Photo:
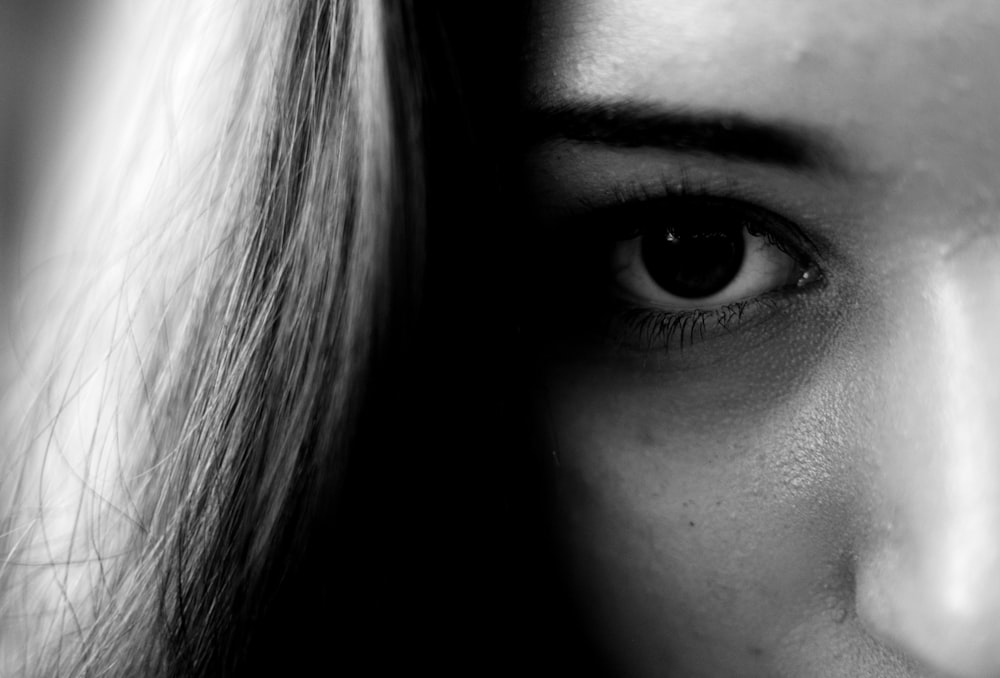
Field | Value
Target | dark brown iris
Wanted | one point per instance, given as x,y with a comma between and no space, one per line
694,263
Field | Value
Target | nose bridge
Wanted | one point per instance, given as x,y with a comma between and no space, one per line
934,586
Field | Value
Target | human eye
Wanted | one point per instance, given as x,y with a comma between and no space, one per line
667,271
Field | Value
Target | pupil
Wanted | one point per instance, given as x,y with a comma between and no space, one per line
694,263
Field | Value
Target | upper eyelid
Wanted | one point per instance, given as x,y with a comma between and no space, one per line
785,231
811,210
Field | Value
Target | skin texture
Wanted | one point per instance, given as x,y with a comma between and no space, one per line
816,491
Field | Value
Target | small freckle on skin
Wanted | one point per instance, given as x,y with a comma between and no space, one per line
691,524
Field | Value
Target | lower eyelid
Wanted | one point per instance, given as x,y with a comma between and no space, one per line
649,329
644,329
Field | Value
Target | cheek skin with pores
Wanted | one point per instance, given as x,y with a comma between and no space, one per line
712,500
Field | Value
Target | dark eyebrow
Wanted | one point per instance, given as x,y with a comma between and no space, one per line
726,135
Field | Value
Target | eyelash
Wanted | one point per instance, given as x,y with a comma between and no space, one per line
649,328
656,328
635,195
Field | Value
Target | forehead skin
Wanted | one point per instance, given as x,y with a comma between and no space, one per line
877,72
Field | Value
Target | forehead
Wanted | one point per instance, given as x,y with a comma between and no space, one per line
903,81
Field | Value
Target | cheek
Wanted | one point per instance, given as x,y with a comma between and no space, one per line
706,515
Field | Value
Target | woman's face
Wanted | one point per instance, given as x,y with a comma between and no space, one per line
772,349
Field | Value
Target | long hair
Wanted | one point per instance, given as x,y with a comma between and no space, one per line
248,404
295,443
254,466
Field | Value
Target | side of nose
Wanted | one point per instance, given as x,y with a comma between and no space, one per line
929,580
